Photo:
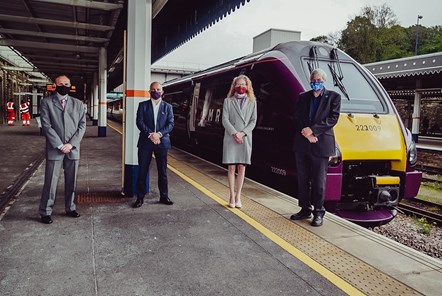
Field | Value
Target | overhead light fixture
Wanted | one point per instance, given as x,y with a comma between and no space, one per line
39,80
25,69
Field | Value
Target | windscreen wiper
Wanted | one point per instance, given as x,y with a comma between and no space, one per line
314,64
337,77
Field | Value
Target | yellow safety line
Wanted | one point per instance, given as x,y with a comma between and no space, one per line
333,278
336,280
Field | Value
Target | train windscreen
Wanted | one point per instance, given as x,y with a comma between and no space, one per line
362,96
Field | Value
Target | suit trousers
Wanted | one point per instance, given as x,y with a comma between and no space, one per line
52,173
312,174
144,159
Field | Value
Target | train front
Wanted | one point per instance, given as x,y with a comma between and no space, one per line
374,165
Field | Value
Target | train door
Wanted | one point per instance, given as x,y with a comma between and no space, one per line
276,90
209,130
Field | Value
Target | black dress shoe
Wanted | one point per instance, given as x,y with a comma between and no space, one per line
302,214
72,214
166,201
46,219
138,203
317,221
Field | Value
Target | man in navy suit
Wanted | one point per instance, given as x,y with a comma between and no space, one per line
155,122
316,114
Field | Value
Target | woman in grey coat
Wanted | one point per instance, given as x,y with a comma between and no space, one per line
239,119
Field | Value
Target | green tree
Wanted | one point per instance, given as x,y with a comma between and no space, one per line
375,35
430,39
380,16
367,36
394,43
360,40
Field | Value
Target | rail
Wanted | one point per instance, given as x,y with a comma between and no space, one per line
419,208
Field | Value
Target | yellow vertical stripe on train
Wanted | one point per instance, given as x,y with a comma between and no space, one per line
333,278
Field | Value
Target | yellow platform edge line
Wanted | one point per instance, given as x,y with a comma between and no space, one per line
333,278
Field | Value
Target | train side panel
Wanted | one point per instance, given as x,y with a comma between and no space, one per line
371,171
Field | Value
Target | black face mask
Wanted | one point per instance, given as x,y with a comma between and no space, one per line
62,90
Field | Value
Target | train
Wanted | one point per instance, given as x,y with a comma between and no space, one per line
374,165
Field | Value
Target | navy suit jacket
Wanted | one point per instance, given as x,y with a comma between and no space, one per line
145,123
326,118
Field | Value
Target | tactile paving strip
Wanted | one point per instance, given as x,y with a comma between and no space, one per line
357,273
100,198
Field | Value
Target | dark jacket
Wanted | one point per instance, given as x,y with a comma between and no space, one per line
327,116
146,125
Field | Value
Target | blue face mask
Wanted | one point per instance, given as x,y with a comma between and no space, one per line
318,85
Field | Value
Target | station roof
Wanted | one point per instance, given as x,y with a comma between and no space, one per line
401,77
64,36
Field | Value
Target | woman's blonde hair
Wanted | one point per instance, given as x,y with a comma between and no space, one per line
250,92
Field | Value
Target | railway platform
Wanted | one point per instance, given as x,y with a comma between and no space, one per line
198,246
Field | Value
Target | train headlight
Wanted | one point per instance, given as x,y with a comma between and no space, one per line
412,153
335,160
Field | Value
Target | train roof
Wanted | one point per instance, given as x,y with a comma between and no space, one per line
292,49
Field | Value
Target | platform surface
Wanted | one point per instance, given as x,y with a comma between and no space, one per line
198,246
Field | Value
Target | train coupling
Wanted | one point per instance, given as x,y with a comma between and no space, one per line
385,190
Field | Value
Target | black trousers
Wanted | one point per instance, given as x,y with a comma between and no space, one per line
144,159
312,174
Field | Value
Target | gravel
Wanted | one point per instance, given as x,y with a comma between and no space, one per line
407,231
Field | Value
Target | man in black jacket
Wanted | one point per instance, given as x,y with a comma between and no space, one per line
316,114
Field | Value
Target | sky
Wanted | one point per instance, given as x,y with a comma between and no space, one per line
232,37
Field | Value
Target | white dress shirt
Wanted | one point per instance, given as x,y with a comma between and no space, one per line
156,108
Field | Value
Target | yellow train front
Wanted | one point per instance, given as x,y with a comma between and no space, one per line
374,165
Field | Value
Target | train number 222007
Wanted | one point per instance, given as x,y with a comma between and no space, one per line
368,128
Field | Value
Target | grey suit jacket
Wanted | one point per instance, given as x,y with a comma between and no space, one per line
235,120
62,126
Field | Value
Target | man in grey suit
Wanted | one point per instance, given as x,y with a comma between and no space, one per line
316,114
63,122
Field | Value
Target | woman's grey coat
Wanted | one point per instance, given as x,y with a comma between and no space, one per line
236,120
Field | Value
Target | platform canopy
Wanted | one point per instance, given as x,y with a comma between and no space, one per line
64,36
399,76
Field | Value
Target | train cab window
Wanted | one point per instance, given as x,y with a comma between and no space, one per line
363,97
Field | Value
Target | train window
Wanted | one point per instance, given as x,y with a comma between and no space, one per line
363,97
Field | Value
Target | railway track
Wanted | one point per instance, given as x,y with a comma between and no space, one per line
421,209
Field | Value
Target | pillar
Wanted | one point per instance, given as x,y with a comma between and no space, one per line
139,34
102,107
